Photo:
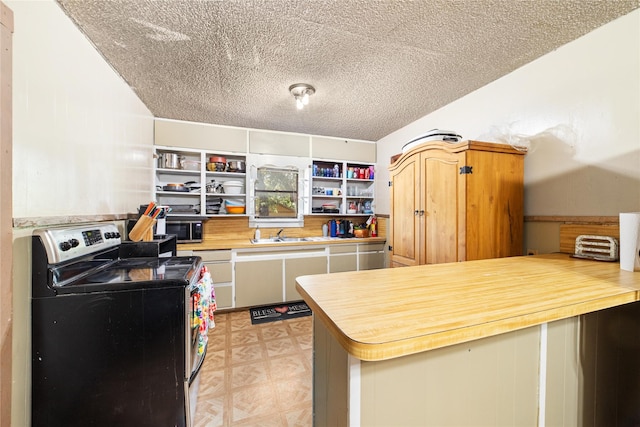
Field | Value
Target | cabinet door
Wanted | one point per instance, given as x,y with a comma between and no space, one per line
405,219
295,267
258,282
340,263
495,207
224,296
443,205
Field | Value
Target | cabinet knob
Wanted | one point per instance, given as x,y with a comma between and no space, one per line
415,212
421,213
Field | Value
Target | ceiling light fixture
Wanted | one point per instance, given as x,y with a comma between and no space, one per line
301,92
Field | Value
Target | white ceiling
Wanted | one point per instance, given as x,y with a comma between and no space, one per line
377,65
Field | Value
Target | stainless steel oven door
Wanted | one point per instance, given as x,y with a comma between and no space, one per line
194,359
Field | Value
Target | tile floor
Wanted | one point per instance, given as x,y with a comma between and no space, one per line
256,375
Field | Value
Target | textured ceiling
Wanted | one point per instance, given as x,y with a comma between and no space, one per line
376,65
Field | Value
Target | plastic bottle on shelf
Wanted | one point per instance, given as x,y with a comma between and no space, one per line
336,171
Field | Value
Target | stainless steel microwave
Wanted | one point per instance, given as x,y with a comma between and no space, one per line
186,231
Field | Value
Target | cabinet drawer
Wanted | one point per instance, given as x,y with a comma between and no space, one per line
223,255
220,272
371,247
224,296
342,249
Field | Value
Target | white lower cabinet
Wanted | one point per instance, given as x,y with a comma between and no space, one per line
343,258
258,282
253,277
221,269
295,267
371,256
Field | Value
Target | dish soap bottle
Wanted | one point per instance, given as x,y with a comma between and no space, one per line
256,235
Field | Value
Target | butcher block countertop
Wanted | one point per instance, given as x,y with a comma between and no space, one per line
389,313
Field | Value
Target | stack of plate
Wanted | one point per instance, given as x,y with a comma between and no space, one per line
330,208
213,205
183,209
432,135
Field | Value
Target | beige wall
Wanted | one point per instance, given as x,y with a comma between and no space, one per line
82,138
82,144
577,107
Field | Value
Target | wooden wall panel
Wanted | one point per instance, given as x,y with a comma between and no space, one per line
234,228
569,232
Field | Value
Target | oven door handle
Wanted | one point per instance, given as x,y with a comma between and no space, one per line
196,371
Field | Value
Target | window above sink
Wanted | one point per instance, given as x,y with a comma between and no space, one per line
277,191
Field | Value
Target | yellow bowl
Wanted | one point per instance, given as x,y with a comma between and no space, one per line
235,209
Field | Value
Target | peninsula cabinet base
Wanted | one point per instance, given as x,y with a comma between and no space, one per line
591,377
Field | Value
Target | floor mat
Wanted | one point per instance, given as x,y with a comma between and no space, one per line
271,313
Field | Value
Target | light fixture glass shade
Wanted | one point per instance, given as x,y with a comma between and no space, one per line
301,93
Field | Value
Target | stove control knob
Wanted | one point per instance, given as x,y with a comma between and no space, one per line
74,242
65,246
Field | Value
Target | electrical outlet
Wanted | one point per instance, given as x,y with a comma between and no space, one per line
532,252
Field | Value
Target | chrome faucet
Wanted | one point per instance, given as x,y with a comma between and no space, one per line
278,234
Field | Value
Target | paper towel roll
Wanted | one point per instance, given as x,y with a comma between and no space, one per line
630,241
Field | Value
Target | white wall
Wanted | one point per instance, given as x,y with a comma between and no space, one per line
82,138
579,109
82,145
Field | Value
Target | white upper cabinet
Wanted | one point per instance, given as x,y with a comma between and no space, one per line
200,136
284,144
343,149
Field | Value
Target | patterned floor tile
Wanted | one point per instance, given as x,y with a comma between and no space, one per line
274,332
304,341
212,383
299,417
215,358
253,401
256,375
292,394
287,366
246,353
244,337
210,412
249,374
281,347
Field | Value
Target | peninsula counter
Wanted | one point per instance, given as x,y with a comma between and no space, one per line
508,341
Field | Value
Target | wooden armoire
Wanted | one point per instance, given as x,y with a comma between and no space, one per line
456,202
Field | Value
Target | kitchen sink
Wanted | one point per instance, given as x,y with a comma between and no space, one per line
281,240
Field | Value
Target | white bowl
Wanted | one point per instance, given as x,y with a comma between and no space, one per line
232,187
